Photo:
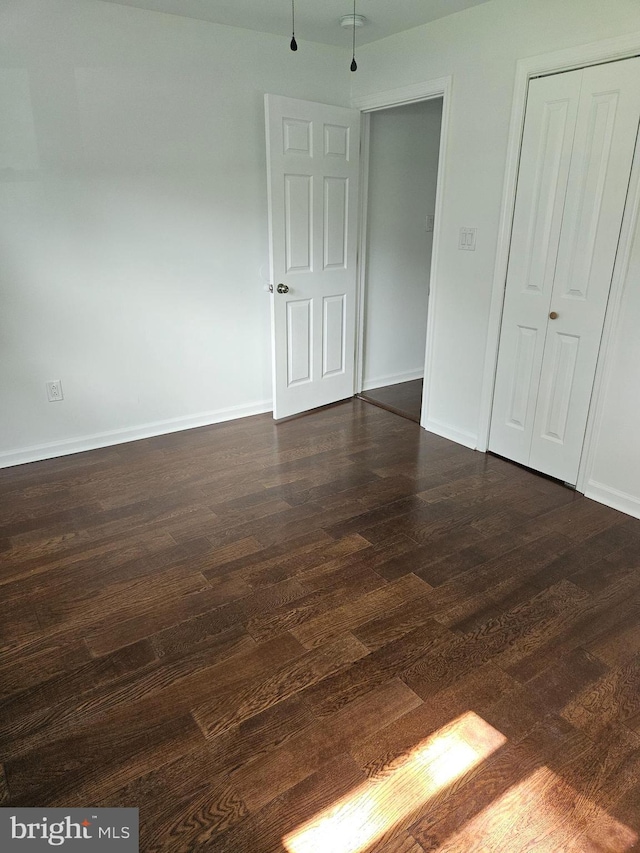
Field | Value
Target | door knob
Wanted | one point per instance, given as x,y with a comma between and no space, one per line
553,315
282,288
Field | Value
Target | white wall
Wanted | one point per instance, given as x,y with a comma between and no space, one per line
133,218
133,213
613,475
479,48
403,170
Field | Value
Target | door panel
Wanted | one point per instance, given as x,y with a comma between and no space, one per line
555,404
336,213
333,336
313,171
525,353
552,108
299,341
298,236
603,152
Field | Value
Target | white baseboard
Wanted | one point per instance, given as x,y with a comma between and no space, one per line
392,379
630,504
35,453
467,439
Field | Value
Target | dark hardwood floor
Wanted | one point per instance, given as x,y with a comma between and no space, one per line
403,399
334,635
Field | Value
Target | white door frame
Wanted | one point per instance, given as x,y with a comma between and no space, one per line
608,50
430,89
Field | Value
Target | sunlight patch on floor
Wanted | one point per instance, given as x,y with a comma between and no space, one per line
543,812
380,805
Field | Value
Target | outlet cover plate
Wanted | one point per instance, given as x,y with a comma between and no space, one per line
54,391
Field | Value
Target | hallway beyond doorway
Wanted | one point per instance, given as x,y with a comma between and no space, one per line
404,399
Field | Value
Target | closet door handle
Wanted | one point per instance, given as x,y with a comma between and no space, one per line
553,315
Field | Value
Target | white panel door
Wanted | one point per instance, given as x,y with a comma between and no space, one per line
545,159
603,152
578,146
313,170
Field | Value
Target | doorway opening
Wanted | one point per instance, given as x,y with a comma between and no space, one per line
401,175
403,398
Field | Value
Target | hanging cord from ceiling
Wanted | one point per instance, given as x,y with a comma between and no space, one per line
354,64
293,44
356,21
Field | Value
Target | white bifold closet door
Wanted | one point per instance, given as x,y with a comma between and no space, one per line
577,150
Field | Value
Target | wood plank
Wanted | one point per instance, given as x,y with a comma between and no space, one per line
478,691
75,683
264,830
186,802
320,629
481,810
337,586
591,620
503,639
398,621
259,735
335,691
93,760
613,698
27,664
163,690
232,707
4,788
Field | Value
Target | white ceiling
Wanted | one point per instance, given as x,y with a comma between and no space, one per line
316,20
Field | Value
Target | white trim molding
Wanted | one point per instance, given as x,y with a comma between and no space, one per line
363,248
37,453
405,95
467,439
581,56
393,379
614,498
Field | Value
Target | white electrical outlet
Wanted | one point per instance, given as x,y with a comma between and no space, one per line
54,390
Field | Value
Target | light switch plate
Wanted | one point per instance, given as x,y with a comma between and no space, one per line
467,239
